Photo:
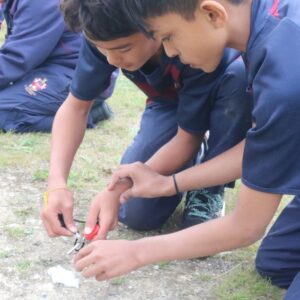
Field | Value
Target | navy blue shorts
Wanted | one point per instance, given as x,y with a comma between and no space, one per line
30,104
278,257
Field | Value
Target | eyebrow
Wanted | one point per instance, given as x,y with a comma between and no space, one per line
113,48
152,33
116,48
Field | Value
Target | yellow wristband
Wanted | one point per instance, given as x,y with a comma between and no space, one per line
46,194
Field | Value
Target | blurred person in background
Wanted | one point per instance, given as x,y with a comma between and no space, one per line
37,62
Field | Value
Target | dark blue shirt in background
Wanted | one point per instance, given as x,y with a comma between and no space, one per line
37,63
40,23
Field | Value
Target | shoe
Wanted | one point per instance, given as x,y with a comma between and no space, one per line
101,111
201,206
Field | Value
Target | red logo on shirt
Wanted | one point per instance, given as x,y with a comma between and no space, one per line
38,84
274,10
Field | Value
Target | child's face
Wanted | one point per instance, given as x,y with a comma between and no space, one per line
129,53
199,42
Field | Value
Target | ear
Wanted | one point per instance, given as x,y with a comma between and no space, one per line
215,13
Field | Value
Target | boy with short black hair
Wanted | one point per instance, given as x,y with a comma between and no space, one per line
182,105
268,32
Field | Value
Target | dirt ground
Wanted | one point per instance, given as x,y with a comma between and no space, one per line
26,253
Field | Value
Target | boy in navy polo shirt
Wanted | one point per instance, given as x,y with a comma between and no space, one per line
183,103
268,32
37,62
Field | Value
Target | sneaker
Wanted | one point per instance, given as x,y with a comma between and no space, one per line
101,111
201,206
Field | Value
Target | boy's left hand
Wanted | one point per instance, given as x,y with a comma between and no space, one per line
107,259
145,182
104,209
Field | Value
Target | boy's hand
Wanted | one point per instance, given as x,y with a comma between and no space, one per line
146,182
107,259
59,206
105,208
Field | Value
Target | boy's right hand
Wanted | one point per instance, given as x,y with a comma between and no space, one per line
60,205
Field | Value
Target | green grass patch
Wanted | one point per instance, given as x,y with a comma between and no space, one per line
23,265
17,232
24,213
4,254
163,264
245,284
40,175
118,281
205,277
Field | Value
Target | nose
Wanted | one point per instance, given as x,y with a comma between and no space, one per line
114,59
170,50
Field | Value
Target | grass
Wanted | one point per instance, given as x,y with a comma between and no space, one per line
23,265
98,155
245,284
119,281
4,254
15,232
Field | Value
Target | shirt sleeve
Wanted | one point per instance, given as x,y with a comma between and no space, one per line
92,75
197,93
271,159
194,100
37,29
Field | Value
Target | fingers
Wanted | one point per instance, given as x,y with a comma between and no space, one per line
103,230
123,172
57,215
47,226
113,181
103,276
68,219
107,223
90,265
53,225
92,218
92,270
87,262
80,260
126,196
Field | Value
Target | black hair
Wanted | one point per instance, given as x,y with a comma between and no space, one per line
100,20
140,10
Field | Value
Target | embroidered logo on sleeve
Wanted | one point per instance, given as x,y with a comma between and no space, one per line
38,84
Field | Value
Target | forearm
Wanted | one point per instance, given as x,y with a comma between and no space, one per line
245,225
198,241
175,154
67,134
222,169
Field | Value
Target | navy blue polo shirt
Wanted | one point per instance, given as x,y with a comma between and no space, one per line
171,82
272,153
36,37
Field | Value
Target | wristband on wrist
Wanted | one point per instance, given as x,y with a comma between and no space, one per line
175,185
46,193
